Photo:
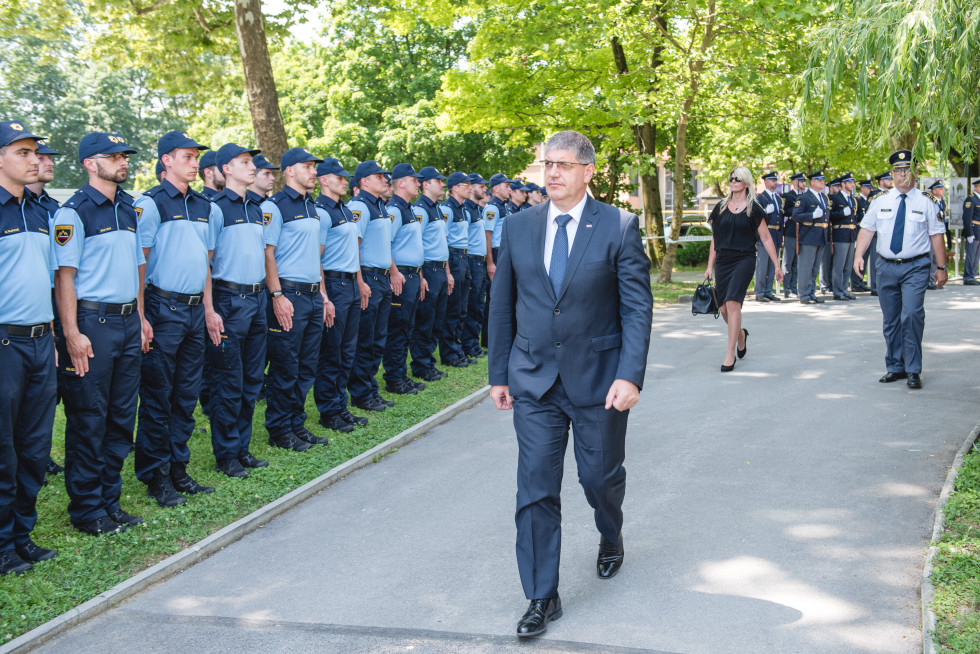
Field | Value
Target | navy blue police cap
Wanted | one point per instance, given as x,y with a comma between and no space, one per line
544,191
835,182
772,175
331,166
208,159
43,148
500,178
262,163
518,185
885,175
229,151
936,184
866,182
976,182
798,177
531,186
366,169
173,140
457,178
816,175
159,168
14,130
475,178
294,156
97,143
404,170
901,159
846,177
430,172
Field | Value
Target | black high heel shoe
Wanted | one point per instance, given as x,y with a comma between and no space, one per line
741,353
725,368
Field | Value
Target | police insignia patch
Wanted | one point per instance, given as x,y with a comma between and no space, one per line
391,218
357,215
139,212
63,233
491,215
968,204
797,203
266,217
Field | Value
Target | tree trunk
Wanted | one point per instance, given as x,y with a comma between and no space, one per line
263,99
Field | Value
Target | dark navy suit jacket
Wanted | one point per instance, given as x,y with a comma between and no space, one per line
595,331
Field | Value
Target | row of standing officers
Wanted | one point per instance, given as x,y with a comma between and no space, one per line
243,290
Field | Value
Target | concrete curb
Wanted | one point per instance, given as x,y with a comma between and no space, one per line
926,594
233,532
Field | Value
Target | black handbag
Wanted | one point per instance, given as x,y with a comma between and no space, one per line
705,300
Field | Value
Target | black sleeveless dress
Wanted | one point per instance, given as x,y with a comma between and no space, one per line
735,236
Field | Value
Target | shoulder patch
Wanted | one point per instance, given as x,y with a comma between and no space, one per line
356,214
391,217
968,204
63,233
797,203
139,212
490,215
266,218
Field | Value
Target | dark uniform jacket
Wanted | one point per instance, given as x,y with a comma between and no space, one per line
789,202
774,218
843,228
971,215
812,231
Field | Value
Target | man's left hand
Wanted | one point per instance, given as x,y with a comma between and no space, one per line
941,277
622,395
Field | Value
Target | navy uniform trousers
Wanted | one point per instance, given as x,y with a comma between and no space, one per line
475,305
170,386
600,448
292,361
484,339
338,347
901,294
429,316
790,266
237,369
401,323
28,389
100,411
450,347
371,335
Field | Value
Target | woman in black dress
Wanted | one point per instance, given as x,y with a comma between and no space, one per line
737,222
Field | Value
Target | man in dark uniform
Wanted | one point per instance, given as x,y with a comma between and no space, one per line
27,383
765,269
450,347
971,232
790,266
936,193
476,252
518,196
99,300
235,311
843,223
494,214
214,181
534,194
341,275
827,263
300,307
863,202
265,179
431,310
909,228
407,255
810,213
173,230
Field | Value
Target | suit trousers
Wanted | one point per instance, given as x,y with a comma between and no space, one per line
826,268
765,272
901,294
810,258
843,263
970,260
790,265
600,448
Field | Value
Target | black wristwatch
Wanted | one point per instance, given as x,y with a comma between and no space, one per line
277,293
943,268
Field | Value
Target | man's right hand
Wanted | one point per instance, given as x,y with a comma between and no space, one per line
818,213
970,239
365,295
501,397
80,351
283,310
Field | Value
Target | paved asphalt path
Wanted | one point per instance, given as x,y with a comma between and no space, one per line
785,507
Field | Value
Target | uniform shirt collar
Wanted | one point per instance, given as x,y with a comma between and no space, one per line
367,198
427,200
399,202
328,201
452,202
575,212
469,203
6,196
294,194
172,190
231,195
97,197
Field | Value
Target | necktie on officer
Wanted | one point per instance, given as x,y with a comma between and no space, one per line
898,233
559,253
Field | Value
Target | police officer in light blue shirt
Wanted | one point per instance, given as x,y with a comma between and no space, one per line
431,309
493,218
518,196
408,254
235,311
450,345
26,349
341,275
173,231
379,280
294,238
97,287
265,178
213,180
476,253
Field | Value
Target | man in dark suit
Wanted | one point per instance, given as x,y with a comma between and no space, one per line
570,318
765,269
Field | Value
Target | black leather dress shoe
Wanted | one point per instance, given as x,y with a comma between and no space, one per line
914,380
761,298
773,298
249,461
874,293
892,376
610,558
538,615
336,423
816,299
34,553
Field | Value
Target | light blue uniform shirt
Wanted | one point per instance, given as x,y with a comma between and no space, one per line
292,225
97,236
375,230
435,227
459,228
175,228
477,238
235,236
341,251
406,242
25,260
493,215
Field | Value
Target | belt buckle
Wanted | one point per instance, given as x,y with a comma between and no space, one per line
194,300
126,309
256,287
37,331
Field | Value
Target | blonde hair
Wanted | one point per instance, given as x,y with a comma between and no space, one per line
743,175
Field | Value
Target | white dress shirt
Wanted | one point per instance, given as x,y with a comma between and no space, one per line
552,228
921,222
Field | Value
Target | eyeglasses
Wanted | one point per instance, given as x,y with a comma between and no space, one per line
118,155
732,180
564,165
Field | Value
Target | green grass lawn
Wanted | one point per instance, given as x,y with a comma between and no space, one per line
668,293
87,566
956,572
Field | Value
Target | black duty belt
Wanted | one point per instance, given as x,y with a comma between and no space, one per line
375,271
240,288
457,250
123,309
916,257
409,270
33,331
305,287
179,298
435,263
478,257
336,274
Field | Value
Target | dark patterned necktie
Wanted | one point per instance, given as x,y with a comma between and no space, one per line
898,233
559,253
